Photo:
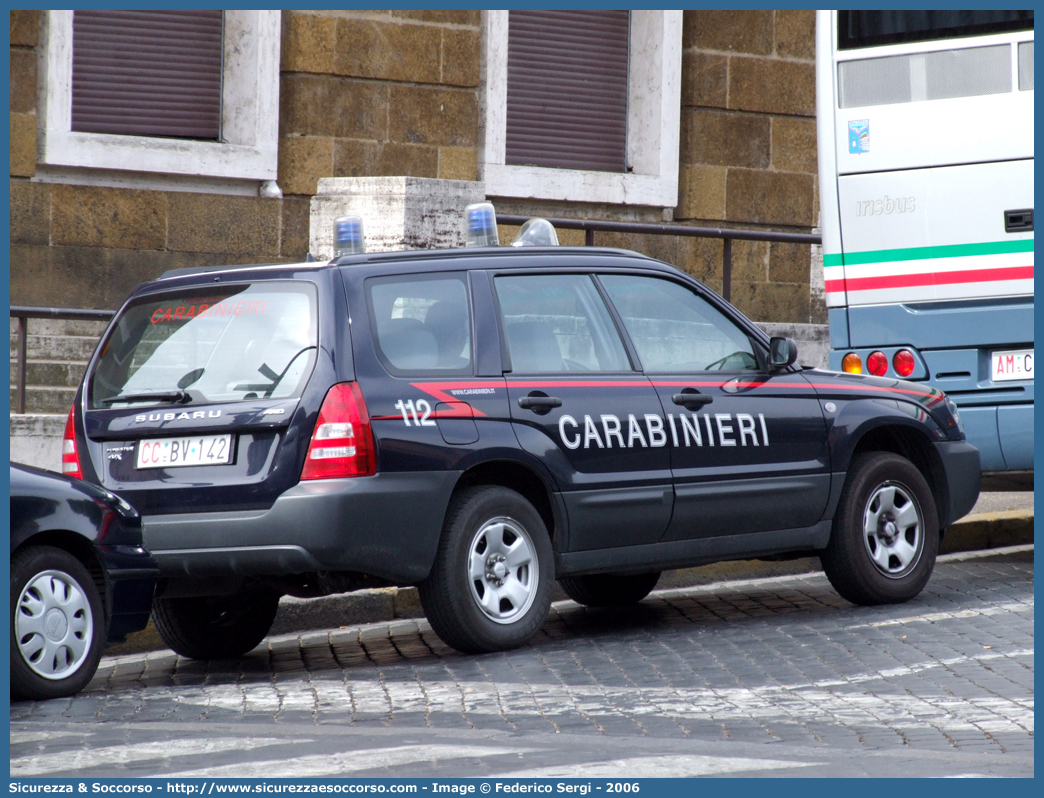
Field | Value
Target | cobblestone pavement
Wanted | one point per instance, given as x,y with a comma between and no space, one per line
765,677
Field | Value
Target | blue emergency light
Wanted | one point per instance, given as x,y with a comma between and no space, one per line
348,236
480,225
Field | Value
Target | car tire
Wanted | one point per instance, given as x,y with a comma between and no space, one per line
58,624
609,590
490,586
215,627
885,537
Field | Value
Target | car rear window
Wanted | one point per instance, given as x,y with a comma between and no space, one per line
421,323
214,344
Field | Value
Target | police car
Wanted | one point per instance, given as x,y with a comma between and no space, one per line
483,421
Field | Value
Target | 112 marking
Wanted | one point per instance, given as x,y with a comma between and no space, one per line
411,409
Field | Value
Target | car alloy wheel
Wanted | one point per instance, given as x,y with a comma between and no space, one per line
490,585
892,529
885,534
503,570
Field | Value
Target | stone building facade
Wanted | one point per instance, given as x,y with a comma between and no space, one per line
418,93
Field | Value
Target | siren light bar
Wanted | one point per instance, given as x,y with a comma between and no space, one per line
348,236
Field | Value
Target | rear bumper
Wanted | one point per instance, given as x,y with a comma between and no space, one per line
960,461
1003,434
387,525
130,575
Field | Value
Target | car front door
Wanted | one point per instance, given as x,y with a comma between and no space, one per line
748,446
578,404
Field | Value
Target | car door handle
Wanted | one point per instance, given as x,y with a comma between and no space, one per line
692,399
539,402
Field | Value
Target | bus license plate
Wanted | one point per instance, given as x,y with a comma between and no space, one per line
191,450
1014,365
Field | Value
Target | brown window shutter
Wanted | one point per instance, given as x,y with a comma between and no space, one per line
567,89
147,73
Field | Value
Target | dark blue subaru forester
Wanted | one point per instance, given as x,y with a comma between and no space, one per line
481,422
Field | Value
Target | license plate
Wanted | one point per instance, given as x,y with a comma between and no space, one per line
1014,365
189,450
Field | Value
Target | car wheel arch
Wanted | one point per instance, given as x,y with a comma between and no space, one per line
80,548
522,478
910,442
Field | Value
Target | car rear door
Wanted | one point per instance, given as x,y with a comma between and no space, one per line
428,365
578,404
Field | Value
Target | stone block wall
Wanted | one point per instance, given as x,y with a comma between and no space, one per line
88,246
378,93
397,93
25,36
747,159
748,148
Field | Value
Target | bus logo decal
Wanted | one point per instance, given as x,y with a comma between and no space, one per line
885,206
858,136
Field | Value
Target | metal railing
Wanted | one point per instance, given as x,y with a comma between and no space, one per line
23,314
591,226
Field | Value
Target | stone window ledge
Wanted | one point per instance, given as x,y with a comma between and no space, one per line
653,119
249,115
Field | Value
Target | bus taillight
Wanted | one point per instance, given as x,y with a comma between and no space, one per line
903,362
877,364
852,363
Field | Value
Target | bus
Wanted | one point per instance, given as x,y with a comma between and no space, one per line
925,144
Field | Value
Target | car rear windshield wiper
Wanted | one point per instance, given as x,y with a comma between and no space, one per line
174,397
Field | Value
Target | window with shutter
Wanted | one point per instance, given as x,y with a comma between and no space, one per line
147,73
567,85
582,106
147,98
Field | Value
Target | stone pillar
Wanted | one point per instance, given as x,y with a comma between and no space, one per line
397,212
817,287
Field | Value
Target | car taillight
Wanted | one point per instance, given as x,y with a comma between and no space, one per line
903,362
877,364
108,516
342,442
70,457
852,363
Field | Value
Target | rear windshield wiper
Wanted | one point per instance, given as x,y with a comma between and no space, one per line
174,397
269,374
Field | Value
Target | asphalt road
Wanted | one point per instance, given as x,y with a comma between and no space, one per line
771,677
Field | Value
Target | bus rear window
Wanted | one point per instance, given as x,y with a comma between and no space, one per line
876,28
209,345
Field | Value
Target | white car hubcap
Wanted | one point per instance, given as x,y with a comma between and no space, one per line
53,625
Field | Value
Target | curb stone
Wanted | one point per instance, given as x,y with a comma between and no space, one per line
972,533
989,531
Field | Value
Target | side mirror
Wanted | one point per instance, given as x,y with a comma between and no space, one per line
782,353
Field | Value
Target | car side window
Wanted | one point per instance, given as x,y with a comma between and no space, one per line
674,329
558,323
421,323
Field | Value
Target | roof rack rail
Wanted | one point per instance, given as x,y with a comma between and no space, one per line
171,273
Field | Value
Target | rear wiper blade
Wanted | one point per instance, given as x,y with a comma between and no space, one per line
174,397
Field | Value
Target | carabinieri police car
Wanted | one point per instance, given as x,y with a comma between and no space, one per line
481,422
